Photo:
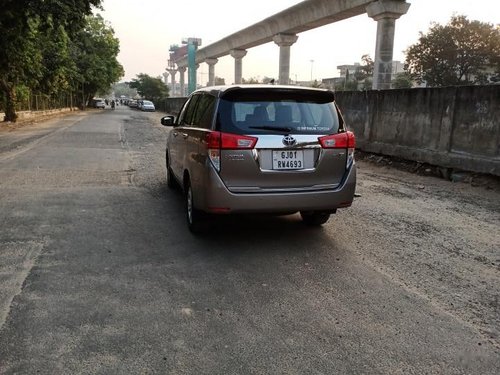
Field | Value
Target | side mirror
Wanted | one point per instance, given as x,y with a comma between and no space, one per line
167,120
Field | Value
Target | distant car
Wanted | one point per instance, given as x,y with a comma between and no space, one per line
147,106
261,149
99,104
132,103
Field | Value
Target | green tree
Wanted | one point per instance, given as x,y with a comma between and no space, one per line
33,43
122,88
461,52
57,65
150,88
20,60
95,52
347,85
365,70
367,73
402,81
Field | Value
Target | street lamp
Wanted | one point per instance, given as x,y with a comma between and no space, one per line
312,62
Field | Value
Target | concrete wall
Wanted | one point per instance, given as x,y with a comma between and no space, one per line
30,115
171,105
455,127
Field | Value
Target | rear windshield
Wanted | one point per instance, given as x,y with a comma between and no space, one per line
277,113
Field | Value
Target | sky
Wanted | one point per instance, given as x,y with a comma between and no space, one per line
147,28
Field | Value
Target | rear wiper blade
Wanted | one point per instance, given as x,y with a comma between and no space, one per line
272,128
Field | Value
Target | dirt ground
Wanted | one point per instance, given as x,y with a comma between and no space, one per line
438,238
424,169
35,121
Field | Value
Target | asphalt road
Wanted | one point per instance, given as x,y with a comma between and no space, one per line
99,274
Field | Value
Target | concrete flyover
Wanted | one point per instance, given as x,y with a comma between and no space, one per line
283,27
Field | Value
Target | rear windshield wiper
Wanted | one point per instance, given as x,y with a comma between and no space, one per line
272,128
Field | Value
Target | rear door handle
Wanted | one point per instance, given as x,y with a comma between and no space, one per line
184,135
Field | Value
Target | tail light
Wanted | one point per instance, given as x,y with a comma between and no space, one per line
217,141
341,140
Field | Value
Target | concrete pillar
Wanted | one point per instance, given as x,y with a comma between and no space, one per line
284,41
211,70
196,67
385,12
182,85
172,75
165,77
238,55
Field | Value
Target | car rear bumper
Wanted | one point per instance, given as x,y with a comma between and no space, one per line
216,198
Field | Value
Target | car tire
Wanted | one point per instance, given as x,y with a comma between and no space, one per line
170,176
314,219
195,218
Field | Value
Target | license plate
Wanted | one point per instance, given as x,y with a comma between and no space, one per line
288,159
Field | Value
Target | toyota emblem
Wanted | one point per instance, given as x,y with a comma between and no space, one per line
288,140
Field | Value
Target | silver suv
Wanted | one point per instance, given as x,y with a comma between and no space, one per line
261,149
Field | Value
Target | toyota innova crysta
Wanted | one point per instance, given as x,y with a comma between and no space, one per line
261,149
